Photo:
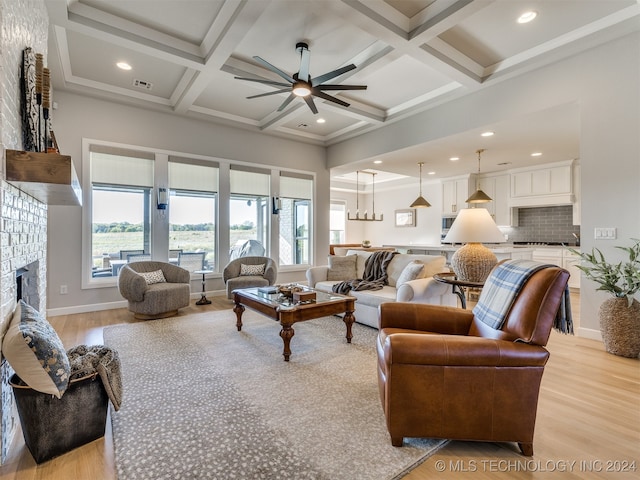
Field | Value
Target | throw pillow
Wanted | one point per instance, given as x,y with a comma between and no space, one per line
252,269
413,271
342,268
153,277
36,353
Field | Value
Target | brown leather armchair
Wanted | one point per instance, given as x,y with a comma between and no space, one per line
443,373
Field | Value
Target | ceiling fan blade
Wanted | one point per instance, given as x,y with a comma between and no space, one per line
341,87
328,76
266,64
311,103
271,93
330,98
263,80
286,102
303,74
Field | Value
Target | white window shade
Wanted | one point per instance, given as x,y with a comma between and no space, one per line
200,178
296,187
121,170
249,183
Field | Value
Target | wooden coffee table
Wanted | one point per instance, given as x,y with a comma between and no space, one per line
274,306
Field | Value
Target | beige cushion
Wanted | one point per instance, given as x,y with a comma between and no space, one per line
360,262
153,277
432,264
36,353
412,271
342,268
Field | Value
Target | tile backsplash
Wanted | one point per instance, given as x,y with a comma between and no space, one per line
544,224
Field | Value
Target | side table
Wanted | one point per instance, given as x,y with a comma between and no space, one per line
203,299
457,286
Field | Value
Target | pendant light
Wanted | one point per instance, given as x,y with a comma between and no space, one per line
420,202
479,196
366,217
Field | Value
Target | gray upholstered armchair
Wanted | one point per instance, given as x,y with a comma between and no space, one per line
154,300
234,278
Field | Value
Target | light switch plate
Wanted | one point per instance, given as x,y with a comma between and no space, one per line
602,233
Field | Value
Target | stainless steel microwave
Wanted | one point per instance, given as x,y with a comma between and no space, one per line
446,223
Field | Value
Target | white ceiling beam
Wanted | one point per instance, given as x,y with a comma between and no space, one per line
359,14
440,21
239,17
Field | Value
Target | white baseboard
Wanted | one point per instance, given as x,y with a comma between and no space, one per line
589,333
96,307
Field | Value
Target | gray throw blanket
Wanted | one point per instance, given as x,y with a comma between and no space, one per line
503,286
374,275
105,361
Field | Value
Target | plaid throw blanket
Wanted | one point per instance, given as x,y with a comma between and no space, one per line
502,288
375,274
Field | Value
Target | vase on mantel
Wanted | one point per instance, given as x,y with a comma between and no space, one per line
620,326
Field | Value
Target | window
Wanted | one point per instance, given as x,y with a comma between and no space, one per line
248,212
121,186
295,218
121,221
192,212
337,222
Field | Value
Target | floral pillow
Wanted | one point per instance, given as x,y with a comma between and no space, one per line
252,269
36,353
153,277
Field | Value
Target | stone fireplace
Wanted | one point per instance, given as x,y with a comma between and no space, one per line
23,249
23,219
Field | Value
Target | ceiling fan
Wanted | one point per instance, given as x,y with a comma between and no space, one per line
301,84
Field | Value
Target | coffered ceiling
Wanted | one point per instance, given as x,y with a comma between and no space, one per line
411,54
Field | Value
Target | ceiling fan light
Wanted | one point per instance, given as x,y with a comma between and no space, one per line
479,197
301,89
420,202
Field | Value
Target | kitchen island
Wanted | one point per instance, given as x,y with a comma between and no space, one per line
501,251
553,254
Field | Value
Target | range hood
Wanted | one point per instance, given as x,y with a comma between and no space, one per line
542,200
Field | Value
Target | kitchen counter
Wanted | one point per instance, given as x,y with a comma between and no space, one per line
495,248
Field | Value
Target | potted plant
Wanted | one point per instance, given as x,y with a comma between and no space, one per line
619,315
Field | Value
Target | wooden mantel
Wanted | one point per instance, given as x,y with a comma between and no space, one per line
48,177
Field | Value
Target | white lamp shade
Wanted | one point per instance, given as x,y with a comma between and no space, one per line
474,225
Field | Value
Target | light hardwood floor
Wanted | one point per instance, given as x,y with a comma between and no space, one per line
588,422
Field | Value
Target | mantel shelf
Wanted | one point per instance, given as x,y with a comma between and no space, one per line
48,177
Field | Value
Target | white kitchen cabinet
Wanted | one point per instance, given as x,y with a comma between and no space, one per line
542,185
569,263
562,258
522,255
543,181
455,192
498,188
548,255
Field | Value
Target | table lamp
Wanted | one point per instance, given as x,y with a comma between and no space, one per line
473,261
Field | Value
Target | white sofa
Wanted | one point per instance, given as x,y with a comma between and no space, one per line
422,290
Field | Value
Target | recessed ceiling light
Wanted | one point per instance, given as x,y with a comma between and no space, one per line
431,173
123,66
526,17
320,120
377,162
454,159
536,154
487,134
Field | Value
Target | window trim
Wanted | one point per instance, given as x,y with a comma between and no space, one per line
162,157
